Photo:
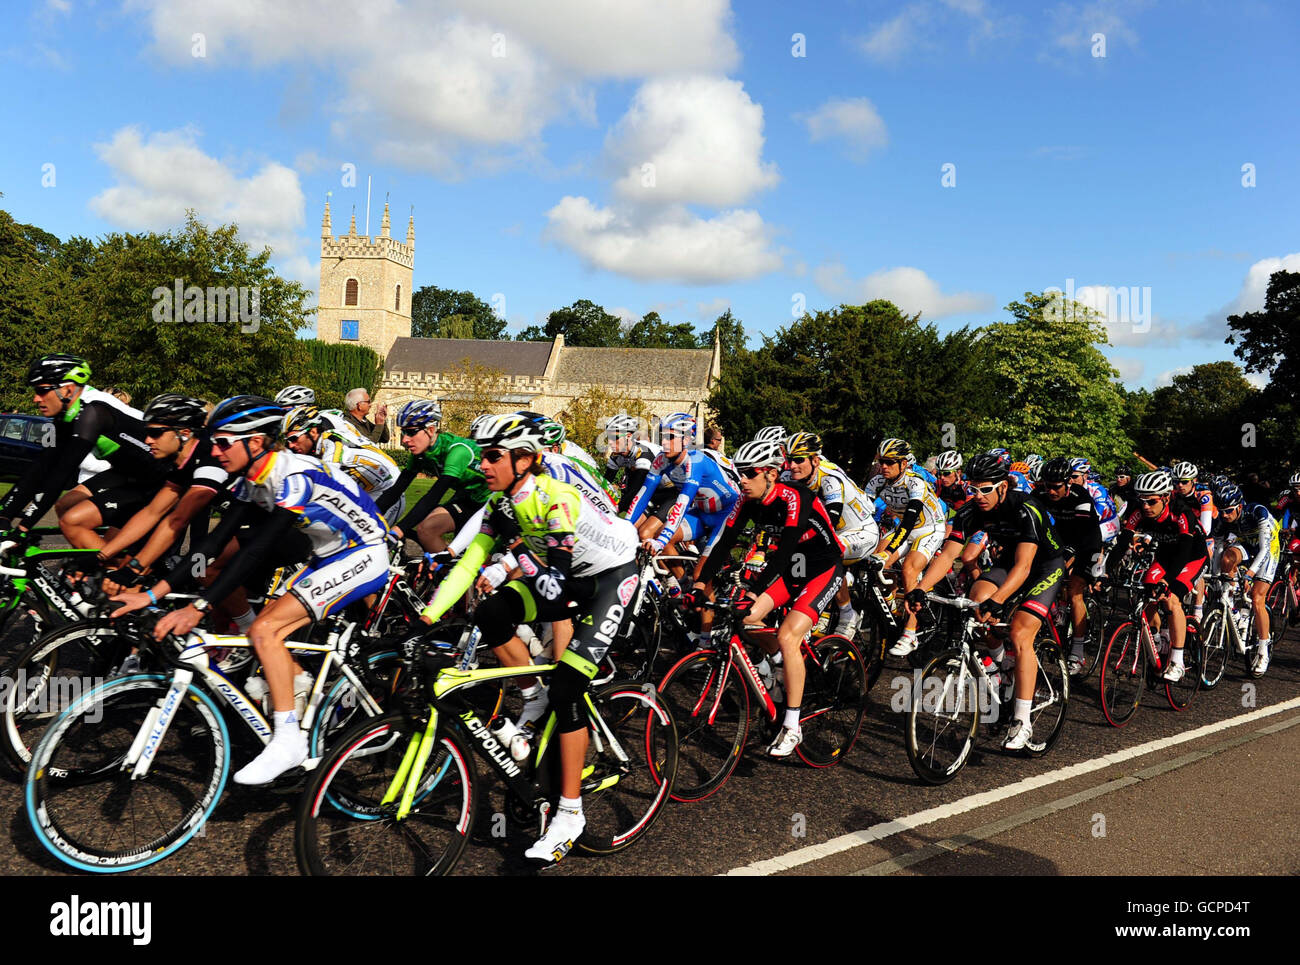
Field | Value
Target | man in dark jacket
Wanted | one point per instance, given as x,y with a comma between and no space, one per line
357,407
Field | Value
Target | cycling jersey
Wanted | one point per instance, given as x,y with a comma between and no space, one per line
846,504
1288,504
201,469
569,471
794,521
1018,519
1019,482
579,456
1181,550
635,465
911,497
455,463
1107,514
1074,517
727,465
372,468
925,474
703,489
1259,533
956,494
336,421
88,426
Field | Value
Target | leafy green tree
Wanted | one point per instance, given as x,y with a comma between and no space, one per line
1269,341
334,369
653,332
731,334
1199,415
584,323
444,313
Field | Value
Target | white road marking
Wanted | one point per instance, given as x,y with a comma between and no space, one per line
886,829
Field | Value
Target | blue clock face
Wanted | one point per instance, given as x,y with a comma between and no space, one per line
350,329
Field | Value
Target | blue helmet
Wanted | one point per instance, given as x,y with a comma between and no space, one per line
1080,464
246,415
1230,496
678,423
419,414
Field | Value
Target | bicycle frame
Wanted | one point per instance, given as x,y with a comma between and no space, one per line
51,600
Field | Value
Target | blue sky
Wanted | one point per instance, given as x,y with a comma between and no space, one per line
686,155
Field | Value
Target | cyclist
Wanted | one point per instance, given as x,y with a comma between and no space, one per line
1288,504
1074,514
1122,491
803,566
1179,558
292,396
920,530
955,492
84,422
308,433
1019,481
569,553
1196,496
556,441
635,458
454,460
846,505
1028,569
349,557
1252,534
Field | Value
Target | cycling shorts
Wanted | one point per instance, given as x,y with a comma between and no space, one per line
328,585
700,526
1180,583
1040,589
661,504
1266,562
859,543
810,596
119,496
924,541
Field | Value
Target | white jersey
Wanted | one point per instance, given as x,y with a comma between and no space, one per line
831,483
642,456
372,468
335,421
566,470
901,491
92,465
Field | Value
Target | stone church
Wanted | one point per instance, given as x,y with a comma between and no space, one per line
365,297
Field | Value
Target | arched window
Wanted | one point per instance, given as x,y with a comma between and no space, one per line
350,293
397,302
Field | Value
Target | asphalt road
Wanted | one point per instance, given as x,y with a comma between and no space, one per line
1191,806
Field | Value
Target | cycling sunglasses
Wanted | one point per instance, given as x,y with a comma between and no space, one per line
1154,500
495,455
985,490
225,442
753,471
798,460
890,462
153,432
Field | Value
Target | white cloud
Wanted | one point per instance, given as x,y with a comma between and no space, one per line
1255,287
894,38
702,135
710,310
1167,377
1259,380
1130,369
160,175
625,315
911,289
855,120
670,245
1071,28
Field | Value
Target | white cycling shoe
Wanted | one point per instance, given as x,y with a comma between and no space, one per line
1174,673
785,743
1020,736
564,830
1263,656
904,646
276,758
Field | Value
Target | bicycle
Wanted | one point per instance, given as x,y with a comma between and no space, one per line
399,794
945,711
1228,627
51,597
1133,662
882,619
709,692
133,768
1283,600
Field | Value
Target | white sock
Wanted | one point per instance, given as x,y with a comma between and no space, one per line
245,620
791,721
286,727
535,704
1177,656
1022,709
1264,642
570,805
846,613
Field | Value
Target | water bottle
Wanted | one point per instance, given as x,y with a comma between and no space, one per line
765,673
510,737
995,677
258,692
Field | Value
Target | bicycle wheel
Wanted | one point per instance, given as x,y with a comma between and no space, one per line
834,700
942,715
712,719
100,819
1123,674
1278,602
48,676
340,706
1096,637
344,826
622,798
1181,694
870,641
1051,696
1214,646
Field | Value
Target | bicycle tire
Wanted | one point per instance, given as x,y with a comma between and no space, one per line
46,677
834,701
707,751
1182,693
1123,672
72,817
1278,603
622,800
335,717
1096,637
1051,696
939,735
343,828
1214,649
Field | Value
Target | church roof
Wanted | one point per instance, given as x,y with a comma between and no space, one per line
444,354
634,366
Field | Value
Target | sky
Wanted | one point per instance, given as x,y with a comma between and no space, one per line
685,156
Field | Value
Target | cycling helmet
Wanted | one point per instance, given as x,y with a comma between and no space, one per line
292,395
299,419
1294,480
1020,467
1184,470
771,434
622,425
759,454
896,449
1034,460
804,445
1154,484
246,415
514,430
57,370
1055,470
176,412
553,433
987,467
1080,464
419,414
1123,471
679,424
1230,496
949,461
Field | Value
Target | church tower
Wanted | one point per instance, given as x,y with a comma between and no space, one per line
365,285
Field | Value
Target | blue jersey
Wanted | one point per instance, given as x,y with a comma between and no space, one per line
1101,499
1020,482
703,488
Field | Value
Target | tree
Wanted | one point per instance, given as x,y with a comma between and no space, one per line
479,389
584,419
731,334
653,332
1053,390
1269,341
443,313
584,323
334,369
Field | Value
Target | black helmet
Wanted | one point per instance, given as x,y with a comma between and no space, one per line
1056,470
176,412
58,369
246,415
1123,471
986,467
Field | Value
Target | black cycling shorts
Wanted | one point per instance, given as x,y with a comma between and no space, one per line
118,496
661,504
1040,590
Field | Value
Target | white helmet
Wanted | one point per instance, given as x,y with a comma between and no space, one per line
949,461
1184,470
1154,484
619,425
760,454
511,431
771,434
294,395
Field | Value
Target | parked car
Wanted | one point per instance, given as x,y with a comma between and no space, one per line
21,437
